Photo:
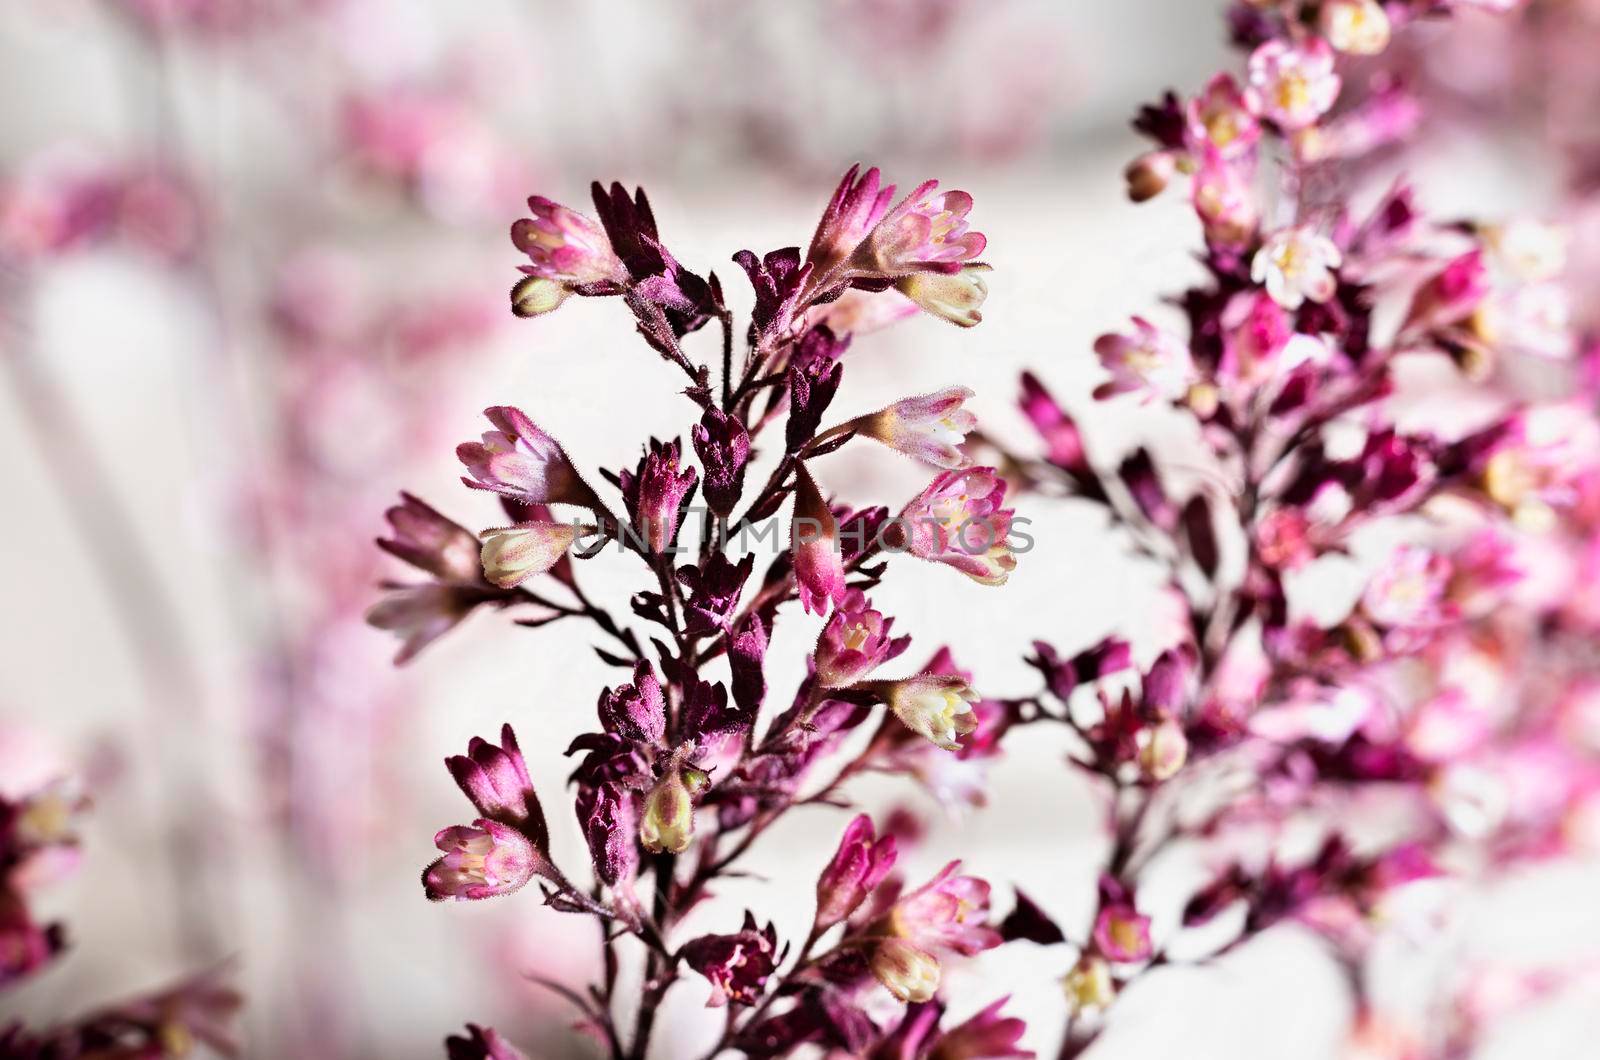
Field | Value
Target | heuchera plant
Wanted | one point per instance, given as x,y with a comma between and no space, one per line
1433,729
684,769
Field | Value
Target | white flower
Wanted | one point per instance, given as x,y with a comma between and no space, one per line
1296,264
513,554
1356,27
936,707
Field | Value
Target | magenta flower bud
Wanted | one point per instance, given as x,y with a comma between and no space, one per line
481,1043
737,965
858,866
855,642
713,591
430,542
931,427
609,817
958,520
814,538
747,650
484,861
949,912
655,494
496,780
520,461
1224,118
1063,441
926,231
637,711
723,445
814,374
564,246
858,204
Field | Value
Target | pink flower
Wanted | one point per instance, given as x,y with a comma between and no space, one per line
1223,117
855,642
482,861
1409,590
818,561
1451,295
1150,362
421,614
986,1036
513,554
858,866
925,232
1356,27
1296,264
567,251
1121,933
520,461
1296,81
1062,438
906,970
937,707
737,965
430,542
1283,539
949,912
958,520
931,427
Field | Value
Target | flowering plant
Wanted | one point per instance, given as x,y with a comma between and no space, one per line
682,773
1317,767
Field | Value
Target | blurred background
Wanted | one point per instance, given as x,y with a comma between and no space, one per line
254,282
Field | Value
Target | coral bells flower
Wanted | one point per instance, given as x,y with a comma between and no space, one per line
737,965
986,1036
1296,264
1410,590
567,250
1163,749
1223,201
483,861
1121,934
925,232
520,461
656,492
1224,118
1089,986
723,445
430,542
858,866
668,821
1296,81
937,707
958,520
931,427
949,912
637,711
421,614
1357,27
1451,296
855,642
953,296
818,562
513,554
1150,362
907,971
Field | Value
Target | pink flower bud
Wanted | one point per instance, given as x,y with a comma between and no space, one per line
958,520
926,231
854,642
949,912
814,537
1149,361
565,246
953,296
858,866
655,493
931,427
430,542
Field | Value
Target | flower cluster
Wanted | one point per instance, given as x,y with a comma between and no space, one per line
685,769
1443,701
